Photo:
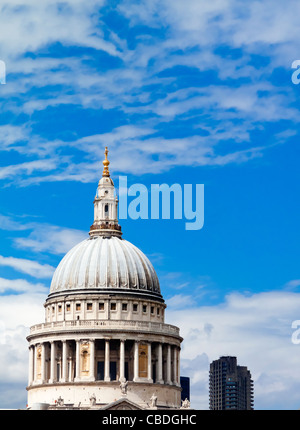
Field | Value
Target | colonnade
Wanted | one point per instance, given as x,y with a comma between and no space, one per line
68,360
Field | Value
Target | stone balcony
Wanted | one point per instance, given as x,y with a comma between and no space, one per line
105,325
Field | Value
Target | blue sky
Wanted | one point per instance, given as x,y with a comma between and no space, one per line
187,92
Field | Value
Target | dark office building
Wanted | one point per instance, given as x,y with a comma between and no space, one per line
185,385
230,385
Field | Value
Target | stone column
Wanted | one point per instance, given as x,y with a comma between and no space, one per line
43,364
53,363
169,365
35,377
122,359
64,361
175,372
77,362
31,365
178,366
149,363
70,375
107,361
159,364
92,359
136,362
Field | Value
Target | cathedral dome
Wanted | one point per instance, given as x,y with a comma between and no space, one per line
105,264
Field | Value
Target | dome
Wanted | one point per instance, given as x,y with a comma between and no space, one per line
105,264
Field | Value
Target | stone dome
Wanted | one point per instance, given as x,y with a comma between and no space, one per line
105,265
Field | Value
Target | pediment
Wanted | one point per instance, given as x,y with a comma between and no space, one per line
122,404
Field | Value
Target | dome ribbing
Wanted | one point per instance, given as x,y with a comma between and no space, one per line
104,264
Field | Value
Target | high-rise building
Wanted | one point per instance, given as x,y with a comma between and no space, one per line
185,386
104,343
230,385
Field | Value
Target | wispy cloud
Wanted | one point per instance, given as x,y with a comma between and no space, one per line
42,237
38,24
292,285
20,286
32,268
146,86
55,240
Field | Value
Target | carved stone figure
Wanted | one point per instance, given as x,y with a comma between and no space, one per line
60,401
93,400
123,385
185,404
153,401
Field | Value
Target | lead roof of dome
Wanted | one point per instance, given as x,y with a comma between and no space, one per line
105,264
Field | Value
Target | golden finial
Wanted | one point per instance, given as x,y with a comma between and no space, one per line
106,164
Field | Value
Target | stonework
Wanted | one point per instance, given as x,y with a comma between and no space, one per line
104,343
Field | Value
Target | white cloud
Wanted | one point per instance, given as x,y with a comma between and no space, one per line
32,268
55,240
11,134
17,170
18,310
257,330
42,238
7,286
15,368
180,301
17,314
7,223
292,284
202,23
32,25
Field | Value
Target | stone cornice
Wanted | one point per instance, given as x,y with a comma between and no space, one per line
98,328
